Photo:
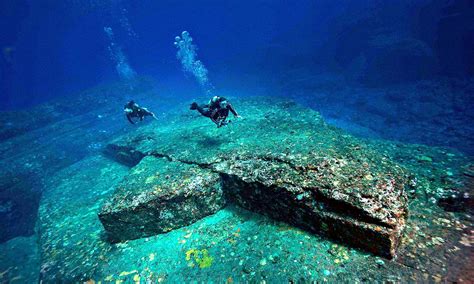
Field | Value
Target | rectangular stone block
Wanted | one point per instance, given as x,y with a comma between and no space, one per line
283,161
334,197
316,214
158,196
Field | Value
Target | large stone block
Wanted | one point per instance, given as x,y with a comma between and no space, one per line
282,161
335,197
158,196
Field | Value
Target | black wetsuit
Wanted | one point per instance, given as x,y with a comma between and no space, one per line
137,112
215,112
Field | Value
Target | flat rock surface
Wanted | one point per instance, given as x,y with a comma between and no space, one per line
160,195
327,175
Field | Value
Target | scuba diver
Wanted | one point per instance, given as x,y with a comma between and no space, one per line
217,110
133,110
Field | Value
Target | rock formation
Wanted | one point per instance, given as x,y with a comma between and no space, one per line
282,161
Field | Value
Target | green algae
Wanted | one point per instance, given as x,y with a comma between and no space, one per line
200,257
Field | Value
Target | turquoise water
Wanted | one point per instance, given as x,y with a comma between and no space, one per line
352,160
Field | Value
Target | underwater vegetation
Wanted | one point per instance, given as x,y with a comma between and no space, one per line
199,257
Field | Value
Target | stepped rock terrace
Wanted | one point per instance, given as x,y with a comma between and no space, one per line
282,160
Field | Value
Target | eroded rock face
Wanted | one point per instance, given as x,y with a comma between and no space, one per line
158,196
335,197
282,161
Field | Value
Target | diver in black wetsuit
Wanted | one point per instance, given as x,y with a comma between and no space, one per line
133,110
217,110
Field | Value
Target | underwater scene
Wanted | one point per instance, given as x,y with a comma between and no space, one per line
262,141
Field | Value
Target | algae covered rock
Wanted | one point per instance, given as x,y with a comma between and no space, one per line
282,160
158,196
337,197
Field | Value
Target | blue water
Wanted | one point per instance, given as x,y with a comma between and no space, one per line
398,70
54,49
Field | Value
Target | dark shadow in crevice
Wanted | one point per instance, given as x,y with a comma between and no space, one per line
19,205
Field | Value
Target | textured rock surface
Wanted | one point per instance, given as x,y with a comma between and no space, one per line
245,247
432,112
282,161
159,196
360,211
36,143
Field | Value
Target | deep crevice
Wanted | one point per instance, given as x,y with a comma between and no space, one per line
19,205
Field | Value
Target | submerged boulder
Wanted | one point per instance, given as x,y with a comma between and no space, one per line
282,160
335,196
158,196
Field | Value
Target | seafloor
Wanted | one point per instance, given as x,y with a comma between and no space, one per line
56,176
